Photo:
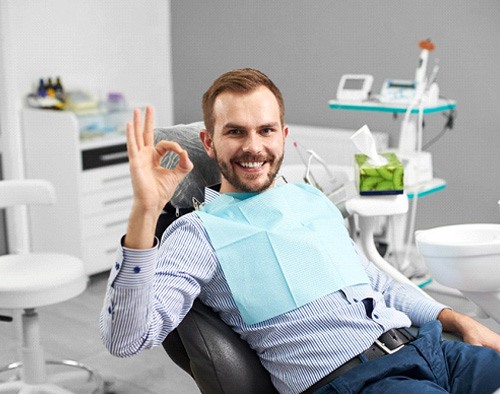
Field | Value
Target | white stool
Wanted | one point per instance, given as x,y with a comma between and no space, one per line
31,280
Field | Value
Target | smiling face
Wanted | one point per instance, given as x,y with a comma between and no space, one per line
248,140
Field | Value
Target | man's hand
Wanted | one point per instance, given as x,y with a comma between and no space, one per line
153,185
472,331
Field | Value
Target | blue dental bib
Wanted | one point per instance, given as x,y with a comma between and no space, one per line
280,249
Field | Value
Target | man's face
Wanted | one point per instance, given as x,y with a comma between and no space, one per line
248,140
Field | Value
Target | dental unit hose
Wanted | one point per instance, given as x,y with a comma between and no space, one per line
422,86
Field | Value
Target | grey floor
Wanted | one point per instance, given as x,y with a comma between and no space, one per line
70,331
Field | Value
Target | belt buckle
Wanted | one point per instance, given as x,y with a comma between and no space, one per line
383,346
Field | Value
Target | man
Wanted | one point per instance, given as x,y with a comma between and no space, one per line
319,333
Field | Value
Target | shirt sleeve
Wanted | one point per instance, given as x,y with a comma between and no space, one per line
402,296
150,291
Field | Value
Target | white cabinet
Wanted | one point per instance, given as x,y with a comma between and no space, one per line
85,158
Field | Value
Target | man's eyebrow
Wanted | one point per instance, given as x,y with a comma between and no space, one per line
271,125
233,126
241,127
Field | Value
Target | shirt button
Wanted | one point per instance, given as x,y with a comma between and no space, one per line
109,310
137,269
375,316
355,299
117,266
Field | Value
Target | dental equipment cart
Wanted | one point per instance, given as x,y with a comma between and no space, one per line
399,222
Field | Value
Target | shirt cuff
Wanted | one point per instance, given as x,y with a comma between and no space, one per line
137,266
428,310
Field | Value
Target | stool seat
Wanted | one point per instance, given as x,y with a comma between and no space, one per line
33,280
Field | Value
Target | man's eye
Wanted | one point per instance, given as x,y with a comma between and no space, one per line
234,132
266,131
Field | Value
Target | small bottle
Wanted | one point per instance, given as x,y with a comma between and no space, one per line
41,91
50,88
59,90
116,102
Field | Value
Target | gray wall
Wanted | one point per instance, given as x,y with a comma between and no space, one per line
306,46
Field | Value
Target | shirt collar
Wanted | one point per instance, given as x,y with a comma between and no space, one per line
211,194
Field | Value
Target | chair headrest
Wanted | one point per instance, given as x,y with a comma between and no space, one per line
205,171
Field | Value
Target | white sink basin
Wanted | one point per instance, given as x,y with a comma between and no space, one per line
465,257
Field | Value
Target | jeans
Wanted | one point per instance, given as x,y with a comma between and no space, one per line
426,365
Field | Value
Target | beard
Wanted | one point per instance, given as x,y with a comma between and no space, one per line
245,183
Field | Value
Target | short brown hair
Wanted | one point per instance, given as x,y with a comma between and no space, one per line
243,80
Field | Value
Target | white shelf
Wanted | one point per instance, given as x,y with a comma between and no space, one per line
425,188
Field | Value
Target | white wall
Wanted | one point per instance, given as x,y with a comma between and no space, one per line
97,45
101,46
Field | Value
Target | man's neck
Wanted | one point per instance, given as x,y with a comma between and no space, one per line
226,187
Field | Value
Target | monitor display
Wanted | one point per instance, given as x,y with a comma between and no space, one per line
354,84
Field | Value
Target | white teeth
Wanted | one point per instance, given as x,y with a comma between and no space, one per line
252,165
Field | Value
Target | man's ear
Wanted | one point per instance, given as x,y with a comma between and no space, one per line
285,131
206,140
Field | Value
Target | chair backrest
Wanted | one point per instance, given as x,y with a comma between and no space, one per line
26,192
203,345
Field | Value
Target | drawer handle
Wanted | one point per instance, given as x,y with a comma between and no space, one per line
114,156
116,223
116,178
118,200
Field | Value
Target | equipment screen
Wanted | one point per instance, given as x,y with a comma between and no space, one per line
354,84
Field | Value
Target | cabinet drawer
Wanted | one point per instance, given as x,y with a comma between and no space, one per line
105,178
104,156
99,252
119,198
102,224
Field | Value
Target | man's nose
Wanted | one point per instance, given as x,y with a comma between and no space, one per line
252,143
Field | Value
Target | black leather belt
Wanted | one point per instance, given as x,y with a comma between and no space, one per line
389,342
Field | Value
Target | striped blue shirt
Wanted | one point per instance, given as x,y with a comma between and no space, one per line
150,291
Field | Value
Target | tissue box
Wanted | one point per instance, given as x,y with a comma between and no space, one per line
379,180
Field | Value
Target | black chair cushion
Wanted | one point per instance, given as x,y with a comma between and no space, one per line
215,356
